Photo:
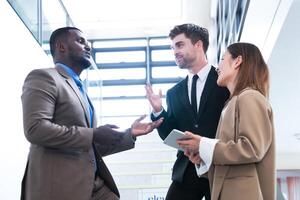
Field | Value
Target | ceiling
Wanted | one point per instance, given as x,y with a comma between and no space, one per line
135,18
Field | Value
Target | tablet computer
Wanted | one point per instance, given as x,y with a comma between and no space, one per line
173,136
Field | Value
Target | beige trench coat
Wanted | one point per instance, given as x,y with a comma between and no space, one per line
244,162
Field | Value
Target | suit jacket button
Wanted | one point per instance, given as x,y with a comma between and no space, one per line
196,125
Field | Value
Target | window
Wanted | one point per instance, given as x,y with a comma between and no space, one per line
124,66
119,57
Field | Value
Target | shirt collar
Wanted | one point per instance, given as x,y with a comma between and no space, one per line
203,73
70,72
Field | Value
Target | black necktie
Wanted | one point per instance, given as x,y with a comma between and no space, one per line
194,93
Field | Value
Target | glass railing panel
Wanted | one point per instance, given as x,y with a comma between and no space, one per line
53,17
41,17
27,11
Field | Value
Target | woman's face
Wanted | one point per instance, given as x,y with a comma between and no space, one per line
227,70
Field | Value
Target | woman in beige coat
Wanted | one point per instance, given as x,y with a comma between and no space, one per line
241,160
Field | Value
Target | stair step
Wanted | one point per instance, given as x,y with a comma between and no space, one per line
141,167
142,154
149,193
142,179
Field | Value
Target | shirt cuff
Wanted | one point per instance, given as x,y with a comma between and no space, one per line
128,132
206,150
156,114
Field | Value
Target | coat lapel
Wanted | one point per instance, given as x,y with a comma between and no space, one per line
208,87
74,87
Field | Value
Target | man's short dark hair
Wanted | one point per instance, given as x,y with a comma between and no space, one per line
57,34
193,32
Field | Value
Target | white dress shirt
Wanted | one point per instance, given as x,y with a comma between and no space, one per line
206,152
203,73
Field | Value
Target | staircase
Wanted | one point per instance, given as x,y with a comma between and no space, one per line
143,173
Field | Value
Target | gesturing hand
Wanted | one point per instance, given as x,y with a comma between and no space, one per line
138,128
154,99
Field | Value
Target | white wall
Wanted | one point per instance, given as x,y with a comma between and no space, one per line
273,25
19,54
263,23
285,89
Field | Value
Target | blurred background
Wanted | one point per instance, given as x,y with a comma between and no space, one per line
131,48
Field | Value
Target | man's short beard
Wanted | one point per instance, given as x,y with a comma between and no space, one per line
182,66
85,63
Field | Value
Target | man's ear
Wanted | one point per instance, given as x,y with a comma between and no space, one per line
60,46
199,44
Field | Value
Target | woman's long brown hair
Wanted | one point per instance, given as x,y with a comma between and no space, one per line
253,71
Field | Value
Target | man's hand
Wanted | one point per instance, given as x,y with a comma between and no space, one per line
154,99
138,128
191,144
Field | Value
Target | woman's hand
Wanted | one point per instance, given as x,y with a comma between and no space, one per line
193,157
190,143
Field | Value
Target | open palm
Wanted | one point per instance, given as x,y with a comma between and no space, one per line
138,128
154,99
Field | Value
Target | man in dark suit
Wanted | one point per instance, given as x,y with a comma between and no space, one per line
66,146
194,104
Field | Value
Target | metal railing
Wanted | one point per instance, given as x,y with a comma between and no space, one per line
39,18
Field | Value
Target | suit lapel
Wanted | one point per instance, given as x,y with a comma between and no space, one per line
76,90
208,87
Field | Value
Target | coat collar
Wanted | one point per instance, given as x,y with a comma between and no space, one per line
208,88
74,87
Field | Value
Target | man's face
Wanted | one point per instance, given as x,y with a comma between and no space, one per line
184,51
78,49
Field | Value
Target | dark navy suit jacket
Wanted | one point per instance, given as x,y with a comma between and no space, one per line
180,115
